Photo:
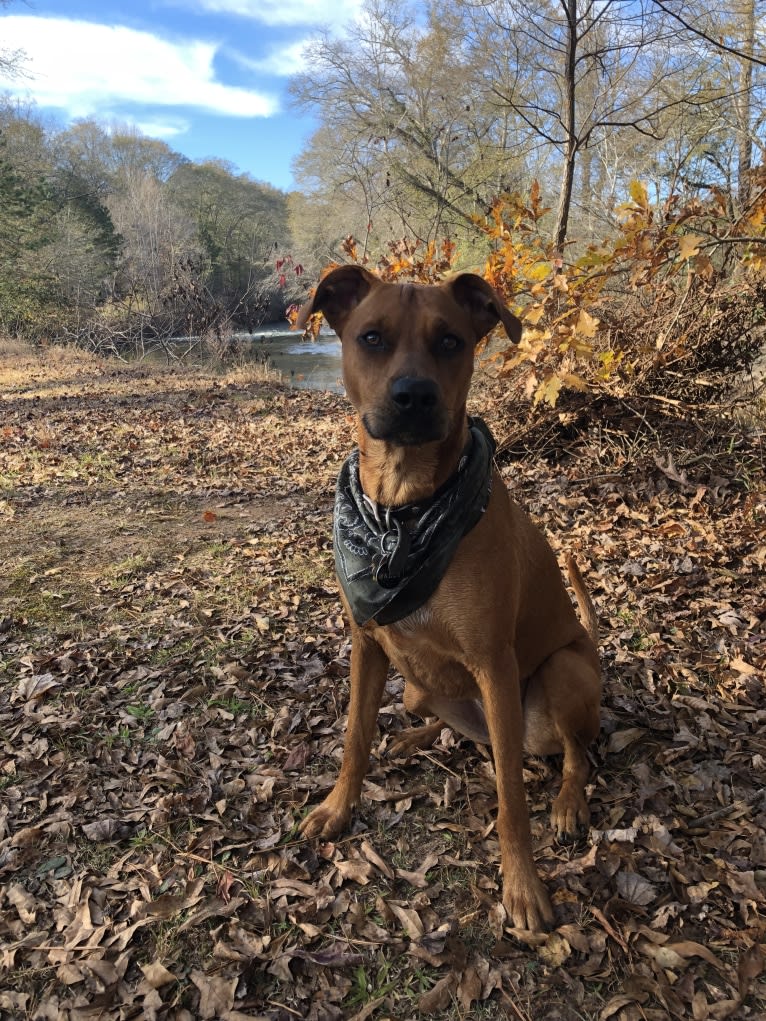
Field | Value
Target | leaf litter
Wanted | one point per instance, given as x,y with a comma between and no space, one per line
173,686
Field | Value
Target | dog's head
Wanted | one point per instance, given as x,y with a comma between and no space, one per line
408,349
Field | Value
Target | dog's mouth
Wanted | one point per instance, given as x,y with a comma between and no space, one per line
406,428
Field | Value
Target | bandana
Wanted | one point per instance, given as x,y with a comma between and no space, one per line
390,560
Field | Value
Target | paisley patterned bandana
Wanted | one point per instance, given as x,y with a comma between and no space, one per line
390,560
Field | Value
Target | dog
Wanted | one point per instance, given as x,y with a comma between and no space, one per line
441,572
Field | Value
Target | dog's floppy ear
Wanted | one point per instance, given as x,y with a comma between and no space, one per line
484,305
337,295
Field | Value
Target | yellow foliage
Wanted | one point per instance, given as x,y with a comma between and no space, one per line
575,381
639,194
548,390
587,324
539,271
571,311
689,245
533,314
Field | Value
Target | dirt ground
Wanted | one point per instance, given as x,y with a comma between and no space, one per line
173,684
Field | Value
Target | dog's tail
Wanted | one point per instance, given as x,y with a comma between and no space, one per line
584,602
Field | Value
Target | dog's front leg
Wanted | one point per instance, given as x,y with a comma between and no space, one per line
369,667
524,896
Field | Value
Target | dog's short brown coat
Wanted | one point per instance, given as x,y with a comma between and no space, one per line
497,652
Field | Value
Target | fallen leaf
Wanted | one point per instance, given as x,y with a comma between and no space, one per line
24,903
356,870
101,829
372,856
469,988
555,950
439,997
750,966
409,919
216,993
635,889
157,975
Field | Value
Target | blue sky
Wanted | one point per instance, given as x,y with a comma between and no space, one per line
208,77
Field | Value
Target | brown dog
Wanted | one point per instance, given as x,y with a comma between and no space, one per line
484,634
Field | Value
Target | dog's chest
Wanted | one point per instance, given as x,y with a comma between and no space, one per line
414,623
426,657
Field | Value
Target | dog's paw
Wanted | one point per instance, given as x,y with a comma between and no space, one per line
570,816
528,905
413,739
326,820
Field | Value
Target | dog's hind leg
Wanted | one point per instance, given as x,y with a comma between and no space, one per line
466,716
561,714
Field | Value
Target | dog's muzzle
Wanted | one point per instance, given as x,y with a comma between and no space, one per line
413,414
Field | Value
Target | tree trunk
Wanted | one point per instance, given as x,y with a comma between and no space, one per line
569,119
743,102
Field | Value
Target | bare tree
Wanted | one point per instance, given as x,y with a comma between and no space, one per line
694,24
12,62
728,36
586,69
430,114
412,136
743,100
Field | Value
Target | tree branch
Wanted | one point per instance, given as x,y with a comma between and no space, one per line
715,43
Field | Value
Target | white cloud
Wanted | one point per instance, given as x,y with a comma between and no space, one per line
82,67
320,13
162,129
281,63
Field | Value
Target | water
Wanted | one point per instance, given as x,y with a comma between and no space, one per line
307,364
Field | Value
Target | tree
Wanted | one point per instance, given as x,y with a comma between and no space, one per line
729,44
743,100
584,71
427,114
735,50
12,62
56,248
412,141
106,159
157,238
241,226
110,235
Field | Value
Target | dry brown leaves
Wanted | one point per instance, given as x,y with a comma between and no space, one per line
172,695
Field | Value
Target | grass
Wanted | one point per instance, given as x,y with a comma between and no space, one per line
92,855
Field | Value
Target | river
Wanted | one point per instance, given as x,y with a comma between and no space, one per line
308,364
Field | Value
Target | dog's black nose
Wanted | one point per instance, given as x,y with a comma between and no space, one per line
414,393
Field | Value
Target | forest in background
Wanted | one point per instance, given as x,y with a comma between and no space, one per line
107,236
580,153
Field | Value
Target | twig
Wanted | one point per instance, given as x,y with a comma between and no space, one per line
197,857
434,761
681,405
283,1006
608,927
520,1014
704,820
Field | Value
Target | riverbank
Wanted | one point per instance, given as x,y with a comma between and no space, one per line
173,666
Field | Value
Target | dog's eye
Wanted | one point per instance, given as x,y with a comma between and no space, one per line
371,339
450,343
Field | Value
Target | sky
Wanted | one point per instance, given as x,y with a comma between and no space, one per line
209,77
